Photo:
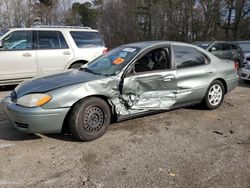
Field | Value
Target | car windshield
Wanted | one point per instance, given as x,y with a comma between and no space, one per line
245,47
113,62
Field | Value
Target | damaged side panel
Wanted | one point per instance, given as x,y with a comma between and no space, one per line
150,91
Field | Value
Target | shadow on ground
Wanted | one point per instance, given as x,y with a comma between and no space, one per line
9,133
245,84
62,136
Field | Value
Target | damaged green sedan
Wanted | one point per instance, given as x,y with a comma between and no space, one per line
129,81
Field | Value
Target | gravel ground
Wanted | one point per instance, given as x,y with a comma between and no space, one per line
188,147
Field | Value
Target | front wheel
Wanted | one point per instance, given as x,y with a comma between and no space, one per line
215,95
89,119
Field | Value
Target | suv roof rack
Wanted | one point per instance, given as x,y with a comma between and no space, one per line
61,26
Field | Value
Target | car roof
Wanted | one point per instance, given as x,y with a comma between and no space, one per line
221,41
200,42
148,44
87,29
242,41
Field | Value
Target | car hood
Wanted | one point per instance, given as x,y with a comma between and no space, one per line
48,83
247,54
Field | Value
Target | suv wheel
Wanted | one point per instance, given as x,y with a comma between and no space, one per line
76,65
215,95
90,119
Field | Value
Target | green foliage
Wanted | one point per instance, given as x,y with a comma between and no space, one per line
84,13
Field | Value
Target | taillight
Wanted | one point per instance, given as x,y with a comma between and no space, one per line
236,65
105,50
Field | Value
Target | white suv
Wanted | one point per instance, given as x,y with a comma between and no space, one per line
30,52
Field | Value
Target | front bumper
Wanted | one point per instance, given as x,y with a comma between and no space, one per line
35,120
245,74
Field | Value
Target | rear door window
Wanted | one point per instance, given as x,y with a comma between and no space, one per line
86,39
225,46
186,56
50,40
234,47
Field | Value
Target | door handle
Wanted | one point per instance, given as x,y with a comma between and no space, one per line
209,72
27,55
168,78
66,53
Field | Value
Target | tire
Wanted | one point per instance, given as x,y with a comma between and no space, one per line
215,95
76,66
90,119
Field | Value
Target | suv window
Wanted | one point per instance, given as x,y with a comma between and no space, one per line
234,47
225,46
62,41
84,39
50,40
155,60
188,57
18,40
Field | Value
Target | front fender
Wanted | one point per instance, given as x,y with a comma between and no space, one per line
66,97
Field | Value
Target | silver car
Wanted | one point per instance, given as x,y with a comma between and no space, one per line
129,81
245,73
227,50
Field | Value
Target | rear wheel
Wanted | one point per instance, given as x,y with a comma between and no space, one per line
76,65
90,119
215,95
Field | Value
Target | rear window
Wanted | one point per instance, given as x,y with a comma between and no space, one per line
234,47
225,46
85,39
245,46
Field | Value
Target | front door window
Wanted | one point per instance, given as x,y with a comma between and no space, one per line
18,40
151,83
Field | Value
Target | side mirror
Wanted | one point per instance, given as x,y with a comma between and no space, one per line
1,44
212,49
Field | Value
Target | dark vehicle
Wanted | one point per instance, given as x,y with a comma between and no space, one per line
245,46
227,50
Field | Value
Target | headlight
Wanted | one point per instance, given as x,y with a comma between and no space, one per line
33,100
247,66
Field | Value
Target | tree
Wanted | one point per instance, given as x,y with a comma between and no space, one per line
82,14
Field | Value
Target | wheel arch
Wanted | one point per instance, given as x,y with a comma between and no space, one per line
65,127
224,84
76,61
